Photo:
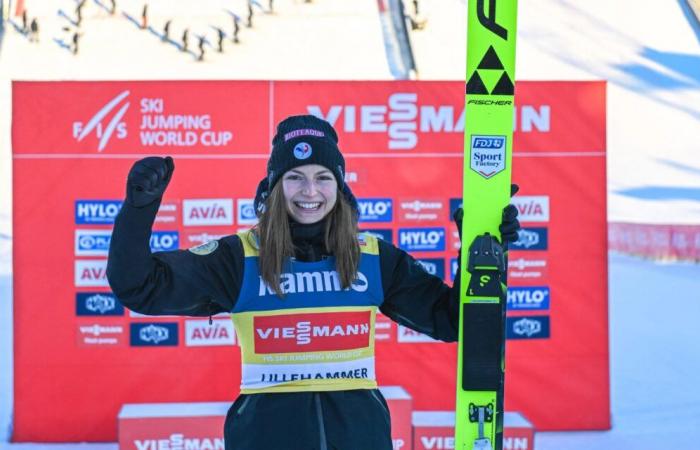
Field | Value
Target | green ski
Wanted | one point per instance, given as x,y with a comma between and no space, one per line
488,143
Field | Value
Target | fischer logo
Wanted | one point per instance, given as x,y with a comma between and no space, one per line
402,118
422,239
312,332
115,126
205,212
91,273
528,298
320,281
178,441
90,212
438,442
375,209
198,333
533,208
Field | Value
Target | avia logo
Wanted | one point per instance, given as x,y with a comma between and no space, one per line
218,211
312,332
104,132
401,118
91,273
533,208
437,442
322,281
198,333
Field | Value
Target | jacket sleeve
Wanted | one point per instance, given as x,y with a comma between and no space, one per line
416,299
175,282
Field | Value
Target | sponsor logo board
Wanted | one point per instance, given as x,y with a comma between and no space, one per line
91,273
527,327
312,332
245,212
434,266
527,269
207,212
97,304
200,333
406,335
422,239
92,242
533,298
420,210
532,208
531,239
96,212
375,209
100,335
155,334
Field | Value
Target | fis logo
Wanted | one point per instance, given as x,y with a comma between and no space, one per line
527,327
217,211
375,209
532,208
488,155
246,212
153,334
435,266
386,235
162,241
92,242
97,304
530,239
92,212
528,298
422,239
114,125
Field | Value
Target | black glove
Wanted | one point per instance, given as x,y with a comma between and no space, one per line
148,179
509,220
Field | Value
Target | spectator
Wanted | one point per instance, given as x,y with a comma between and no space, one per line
185,39
79,12
236,29
221,35
202,40
144,16
76,38
250,14
271,8
166,30
34,31
24,20
113,6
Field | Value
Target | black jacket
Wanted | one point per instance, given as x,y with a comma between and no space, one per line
180,282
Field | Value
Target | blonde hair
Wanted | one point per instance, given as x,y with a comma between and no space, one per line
276,246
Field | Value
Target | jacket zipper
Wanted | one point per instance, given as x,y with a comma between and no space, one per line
321,426
245,403
376,397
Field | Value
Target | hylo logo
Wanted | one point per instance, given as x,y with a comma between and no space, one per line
429,239
375,209
96,211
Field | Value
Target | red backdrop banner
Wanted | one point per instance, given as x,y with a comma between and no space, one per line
79,356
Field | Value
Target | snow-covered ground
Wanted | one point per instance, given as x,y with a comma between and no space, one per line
648,51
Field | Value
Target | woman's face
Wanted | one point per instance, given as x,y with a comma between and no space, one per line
310,192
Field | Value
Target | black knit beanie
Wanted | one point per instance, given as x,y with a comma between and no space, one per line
302,140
